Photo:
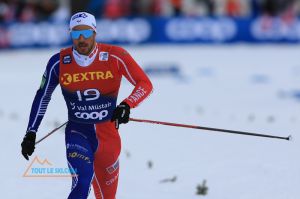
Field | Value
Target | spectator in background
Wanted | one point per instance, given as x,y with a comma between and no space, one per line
270,7
102,8
78,5
210,6
177,7
96,7
27,10
233,8
276,7
147,8
297,7
273,8
156,8
15,10
7,10
199,7
255,7
140,8
290,11
45,8
39,10
117,8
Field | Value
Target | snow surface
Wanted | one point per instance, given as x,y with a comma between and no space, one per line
235,87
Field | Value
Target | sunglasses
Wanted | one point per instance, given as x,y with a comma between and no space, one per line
75,34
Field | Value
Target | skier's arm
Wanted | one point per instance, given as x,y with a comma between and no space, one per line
135,75
43,95
41,100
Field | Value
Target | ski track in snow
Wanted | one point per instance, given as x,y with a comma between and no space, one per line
236,87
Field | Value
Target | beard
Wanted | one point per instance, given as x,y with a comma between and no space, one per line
82,44
84,48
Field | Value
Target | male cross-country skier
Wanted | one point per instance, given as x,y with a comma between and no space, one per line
89,74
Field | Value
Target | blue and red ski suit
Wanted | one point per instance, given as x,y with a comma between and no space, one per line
92,142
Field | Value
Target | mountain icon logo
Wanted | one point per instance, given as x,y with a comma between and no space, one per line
44,168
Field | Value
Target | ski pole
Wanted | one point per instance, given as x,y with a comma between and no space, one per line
211,129
50,133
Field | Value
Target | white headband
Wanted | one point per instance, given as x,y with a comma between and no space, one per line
83,18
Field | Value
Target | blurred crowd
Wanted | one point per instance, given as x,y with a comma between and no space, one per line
31,10
39,10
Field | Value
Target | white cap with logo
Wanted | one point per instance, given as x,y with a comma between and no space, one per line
83,18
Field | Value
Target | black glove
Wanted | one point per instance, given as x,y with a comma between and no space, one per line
28,144
121,114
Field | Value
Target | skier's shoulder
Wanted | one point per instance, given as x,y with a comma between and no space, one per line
66,49
112,49
54,59
53,63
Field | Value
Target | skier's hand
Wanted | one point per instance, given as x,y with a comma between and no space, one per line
28,144
121,114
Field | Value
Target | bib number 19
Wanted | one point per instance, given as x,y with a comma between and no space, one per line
88,95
